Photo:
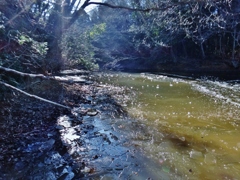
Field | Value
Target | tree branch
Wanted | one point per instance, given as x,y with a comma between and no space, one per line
129,8
81,11
33,96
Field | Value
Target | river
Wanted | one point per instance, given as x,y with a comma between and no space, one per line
189,128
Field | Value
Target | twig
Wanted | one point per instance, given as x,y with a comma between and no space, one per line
33,96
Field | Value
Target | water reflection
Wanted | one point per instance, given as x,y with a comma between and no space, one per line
190,128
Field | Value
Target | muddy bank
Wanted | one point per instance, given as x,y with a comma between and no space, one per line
42,141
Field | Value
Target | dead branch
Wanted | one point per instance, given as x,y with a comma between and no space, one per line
8,70
69,79
128,8
33,96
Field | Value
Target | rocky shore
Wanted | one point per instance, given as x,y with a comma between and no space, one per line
43,141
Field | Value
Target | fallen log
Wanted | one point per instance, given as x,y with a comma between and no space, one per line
34,96
66,79
8,70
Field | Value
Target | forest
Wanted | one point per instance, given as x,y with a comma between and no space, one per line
41,40
48,36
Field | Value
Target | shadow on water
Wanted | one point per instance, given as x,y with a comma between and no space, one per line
224,75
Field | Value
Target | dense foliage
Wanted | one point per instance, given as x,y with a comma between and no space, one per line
46,36
203,31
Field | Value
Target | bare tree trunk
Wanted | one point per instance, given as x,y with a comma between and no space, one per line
53,60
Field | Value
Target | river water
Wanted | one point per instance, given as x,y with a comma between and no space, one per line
190,129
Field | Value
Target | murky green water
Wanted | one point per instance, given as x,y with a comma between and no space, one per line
191,129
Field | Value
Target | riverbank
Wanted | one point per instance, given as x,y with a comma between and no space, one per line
43,141
95,138
218,69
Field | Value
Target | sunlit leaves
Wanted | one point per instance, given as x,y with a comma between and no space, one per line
76,45
24,39
97,29
41,47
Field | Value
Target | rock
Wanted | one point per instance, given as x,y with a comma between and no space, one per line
65,124
95,157
48,145
89,98
86,118
86,170
40,165
92,112
49,134
20,166
114,137
67,174
70,135
34,147
50,176
70,176
55,159
85,106
64,121
59,127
